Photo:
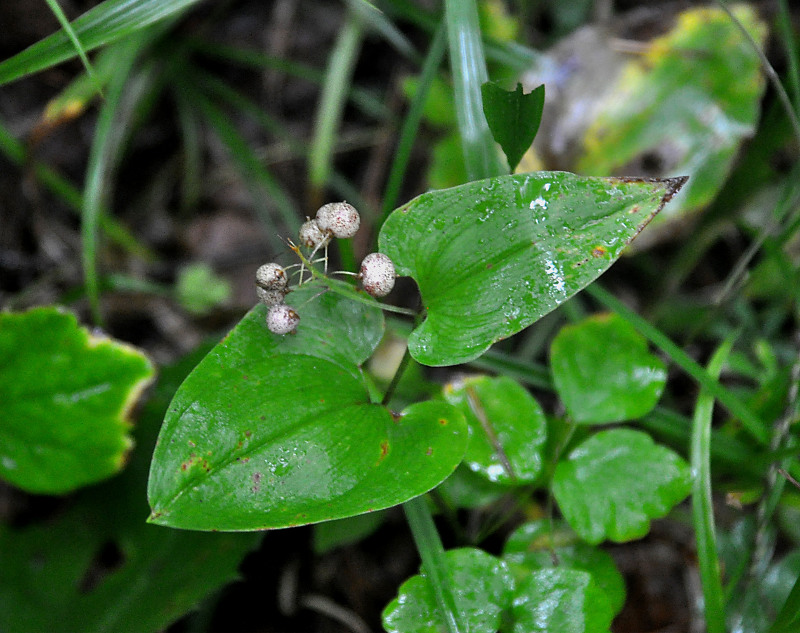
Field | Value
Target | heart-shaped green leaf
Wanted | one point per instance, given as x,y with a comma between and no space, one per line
615,482
65,396
273,431
507,428
492,256
603,371
482,590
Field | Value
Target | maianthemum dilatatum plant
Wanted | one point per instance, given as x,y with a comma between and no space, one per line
280,425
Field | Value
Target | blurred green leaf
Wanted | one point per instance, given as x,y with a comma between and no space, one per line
482,590
493,256
544,545
513,118
563,600
66,396
614,483
104,23
507,428
200,289
684,107
603,371
466,489
57,577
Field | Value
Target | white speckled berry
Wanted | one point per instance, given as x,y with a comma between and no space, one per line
270,297
282,319
338,218
377,274
271,277
311,235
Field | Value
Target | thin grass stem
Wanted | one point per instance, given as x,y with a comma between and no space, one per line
702,501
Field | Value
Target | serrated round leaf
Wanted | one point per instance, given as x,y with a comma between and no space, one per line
614,483
492,256
533,544
563,600
65,397
507,428
482,589
603,371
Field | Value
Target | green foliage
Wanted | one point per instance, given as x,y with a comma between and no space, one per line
317,426
507,429
685,105
105,23
539,545
614,483
558,599
287,422
66,396
501,253
603,372
513,118
483,589
50,580
200,290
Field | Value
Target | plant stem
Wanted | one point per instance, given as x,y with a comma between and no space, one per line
408,133
434,563
468,68
398,374
702,502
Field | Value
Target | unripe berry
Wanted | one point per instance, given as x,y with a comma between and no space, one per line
377,274
311,235
270,297
271,277
282,319
338,218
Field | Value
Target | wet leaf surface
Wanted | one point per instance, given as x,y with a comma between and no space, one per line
492,256
482,587
533,546
614,483
507,428
273,431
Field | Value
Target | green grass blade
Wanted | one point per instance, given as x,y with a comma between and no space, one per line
73,37
360,98
702,502
377,21
102,159
434,563
468,69
331,104
191,172
69,194
101,25
750,421
788,619
296,147
257,177
408,132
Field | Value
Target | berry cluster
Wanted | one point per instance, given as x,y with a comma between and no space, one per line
336,219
